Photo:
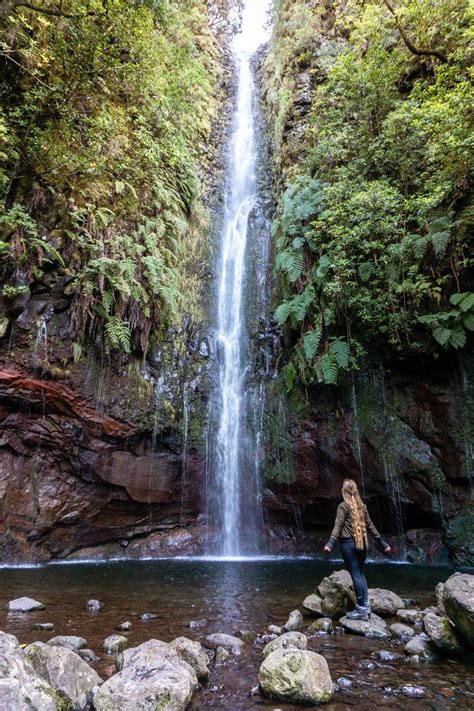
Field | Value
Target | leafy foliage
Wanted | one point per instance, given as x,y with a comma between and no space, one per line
374,224
108,104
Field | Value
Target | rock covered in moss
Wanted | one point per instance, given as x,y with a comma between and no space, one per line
115,643
289,640
458,600
332,598
443,634
322,626
296,676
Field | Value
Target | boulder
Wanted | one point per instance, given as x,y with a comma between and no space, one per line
289,640
65,671
421,647
69,641
333,596
24,604
294,622
114,643
192,653
401,631
411,616
296,676
458,600
21,689
374,627
439,591
234,645
322,626
385,602
443,634
151,676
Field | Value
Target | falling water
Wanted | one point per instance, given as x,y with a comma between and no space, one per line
232,336
184,454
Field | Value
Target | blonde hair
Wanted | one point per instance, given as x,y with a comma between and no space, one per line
350,494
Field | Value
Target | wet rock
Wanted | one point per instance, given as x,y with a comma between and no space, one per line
343,682
289,640
443,634
413,692
88,655
367,665
322,626
421,647
65,671
296,676
21,689
411,616
148,616
44,626
232,644
431,610
192,653
125,626
385,655
458,600
439,591
374,627
115,643
246,635
222,655
94,605
385,602
294,622
332,597
151,676
197,624
69,641
401,631
24,604
274,629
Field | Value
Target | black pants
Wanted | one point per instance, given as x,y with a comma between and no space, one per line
354,560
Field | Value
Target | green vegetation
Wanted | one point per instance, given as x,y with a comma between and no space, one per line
106,106
374,224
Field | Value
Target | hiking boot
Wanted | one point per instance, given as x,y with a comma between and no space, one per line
360,612
368,608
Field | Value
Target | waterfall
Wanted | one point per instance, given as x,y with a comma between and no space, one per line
234,487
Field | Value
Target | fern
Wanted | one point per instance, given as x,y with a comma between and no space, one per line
311,341
420,245
329,369
340,352
440,242
117,334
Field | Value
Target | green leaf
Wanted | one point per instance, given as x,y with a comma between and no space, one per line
290,373
458,337
468,321
311,341
329,369
442,335
340,351
440,242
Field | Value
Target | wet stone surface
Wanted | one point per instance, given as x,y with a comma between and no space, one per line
228,598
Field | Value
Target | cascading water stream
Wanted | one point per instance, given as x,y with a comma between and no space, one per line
232,336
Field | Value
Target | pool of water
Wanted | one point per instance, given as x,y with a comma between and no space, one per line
232,596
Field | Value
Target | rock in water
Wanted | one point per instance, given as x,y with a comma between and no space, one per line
421,647
289,640
69,641
413,692
401,631
296,676
43,626
24,604
192,653
94,605
65,671
115,643
234,645
374,627
151,676
294,622
458,600
332,597
410,615
222,655
274,629
321,626
125,626
385,602
20,687
88,655
443,634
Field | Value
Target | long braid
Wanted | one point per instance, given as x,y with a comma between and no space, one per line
350,494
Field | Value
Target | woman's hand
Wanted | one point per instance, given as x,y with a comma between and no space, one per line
387,549
327,549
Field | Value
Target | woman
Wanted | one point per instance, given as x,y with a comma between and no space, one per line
350,527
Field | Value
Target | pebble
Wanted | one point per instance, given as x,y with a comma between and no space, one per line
196,624
94,605
125,626
148,616
343,682
367,665
413,692
43,626
384,655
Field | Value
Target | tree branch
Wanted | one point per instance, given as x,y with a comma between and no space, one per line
414,50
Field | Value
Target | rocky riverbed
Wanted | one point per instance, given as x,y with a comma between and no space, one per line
234,636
